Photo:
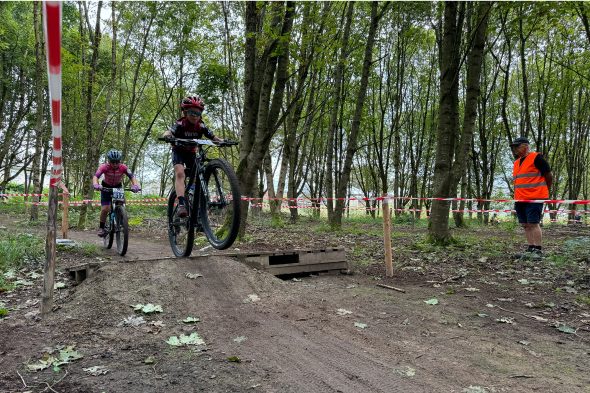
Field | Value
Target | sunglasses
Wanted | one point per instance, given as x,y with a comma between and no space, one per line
115,162
193,113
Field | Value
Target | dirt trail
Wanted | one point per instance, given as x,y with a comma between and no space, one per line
289,337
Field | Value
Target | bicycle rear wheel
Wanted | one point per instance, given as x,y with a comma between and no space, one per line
181,231
109,228
220,204
121,230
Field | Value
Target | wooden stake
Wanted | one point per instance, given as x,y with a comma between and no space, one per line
387,237
49,268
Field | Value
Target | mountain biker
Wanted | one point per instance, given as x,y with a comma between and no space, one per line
189,126
113,172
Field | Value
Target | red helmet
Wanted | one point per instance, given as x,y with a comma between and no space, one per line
192,102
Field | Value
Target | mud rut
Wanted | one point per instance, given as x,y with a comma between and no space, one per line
292,339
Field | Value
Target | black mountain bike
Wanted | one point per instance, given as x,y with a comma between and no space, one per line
212,195
117,226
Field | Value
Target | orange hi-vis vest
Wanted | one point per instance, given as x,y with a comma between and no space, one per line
528,181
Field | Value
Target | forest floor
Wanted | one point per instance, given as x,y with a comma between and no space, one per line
498,325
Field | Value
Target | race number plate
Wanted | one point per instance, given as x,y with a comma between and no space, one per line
118,194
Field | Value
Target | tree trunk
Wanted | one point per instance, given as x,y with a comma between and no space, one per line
40,104
448,120
262,105
92,147
336,221
474,63
337,96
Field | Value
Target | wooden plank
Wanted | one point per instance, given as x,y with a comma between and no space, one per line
286,269
299,261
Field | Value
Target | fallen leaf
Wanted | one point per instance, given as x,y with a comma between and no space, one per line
566,329
96,370
360,325
505,320
343,312
132,321
433,301
240,339
252,298
192,339
191,320
147,308
192,276
405,371
149,360
234,359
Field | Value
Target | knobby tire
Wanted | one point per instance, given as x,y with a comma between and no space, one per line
180,250
220,169
122,230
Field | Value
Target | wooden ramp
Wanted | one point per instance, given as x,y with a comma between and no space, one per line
274,262
297,261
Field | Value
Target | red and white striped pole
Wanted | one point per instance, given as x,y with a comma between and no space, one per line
52,29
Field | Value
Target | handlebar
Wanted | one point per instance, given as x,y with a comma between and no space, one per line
197,142
110,189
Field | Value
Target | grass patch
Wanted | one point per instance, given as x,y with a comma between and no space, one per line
84,248
17,249
583,299
135,221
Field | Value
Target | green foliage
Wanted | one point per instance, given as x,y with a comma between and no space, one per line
583,299
17,249
277,221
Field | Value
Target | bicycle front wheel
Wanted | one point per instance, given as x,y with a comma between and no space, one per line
121,230
181,231
109,228
220,204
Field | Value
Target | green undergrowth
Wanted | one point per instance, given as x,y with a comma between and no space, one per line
17,250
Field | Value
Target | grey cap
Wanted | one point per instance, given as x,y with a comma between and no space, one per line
519,141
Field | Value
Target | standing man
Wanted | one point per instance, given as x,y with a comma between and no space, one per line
532,179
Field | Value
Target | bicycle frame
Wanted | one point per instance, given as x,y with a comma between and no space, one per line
198,171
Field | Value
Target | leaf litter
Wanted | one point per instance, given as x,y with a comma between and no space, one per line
148,308
182,340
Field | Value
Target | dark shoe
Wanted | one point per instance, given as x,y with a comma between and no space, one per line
536,254
182,212
102,232
522,255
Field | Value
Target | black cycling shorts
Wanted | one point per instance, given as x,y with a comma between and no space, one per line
184,157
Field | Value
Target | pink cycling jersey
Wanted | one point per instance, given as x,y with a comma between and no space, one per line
113,176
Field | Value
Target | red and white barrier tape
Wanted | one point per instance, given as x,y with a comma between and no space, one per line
359,199
391,198
362,208
52,29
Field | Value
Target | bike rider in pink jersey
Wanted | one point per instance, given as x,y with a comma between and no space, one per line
113,172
